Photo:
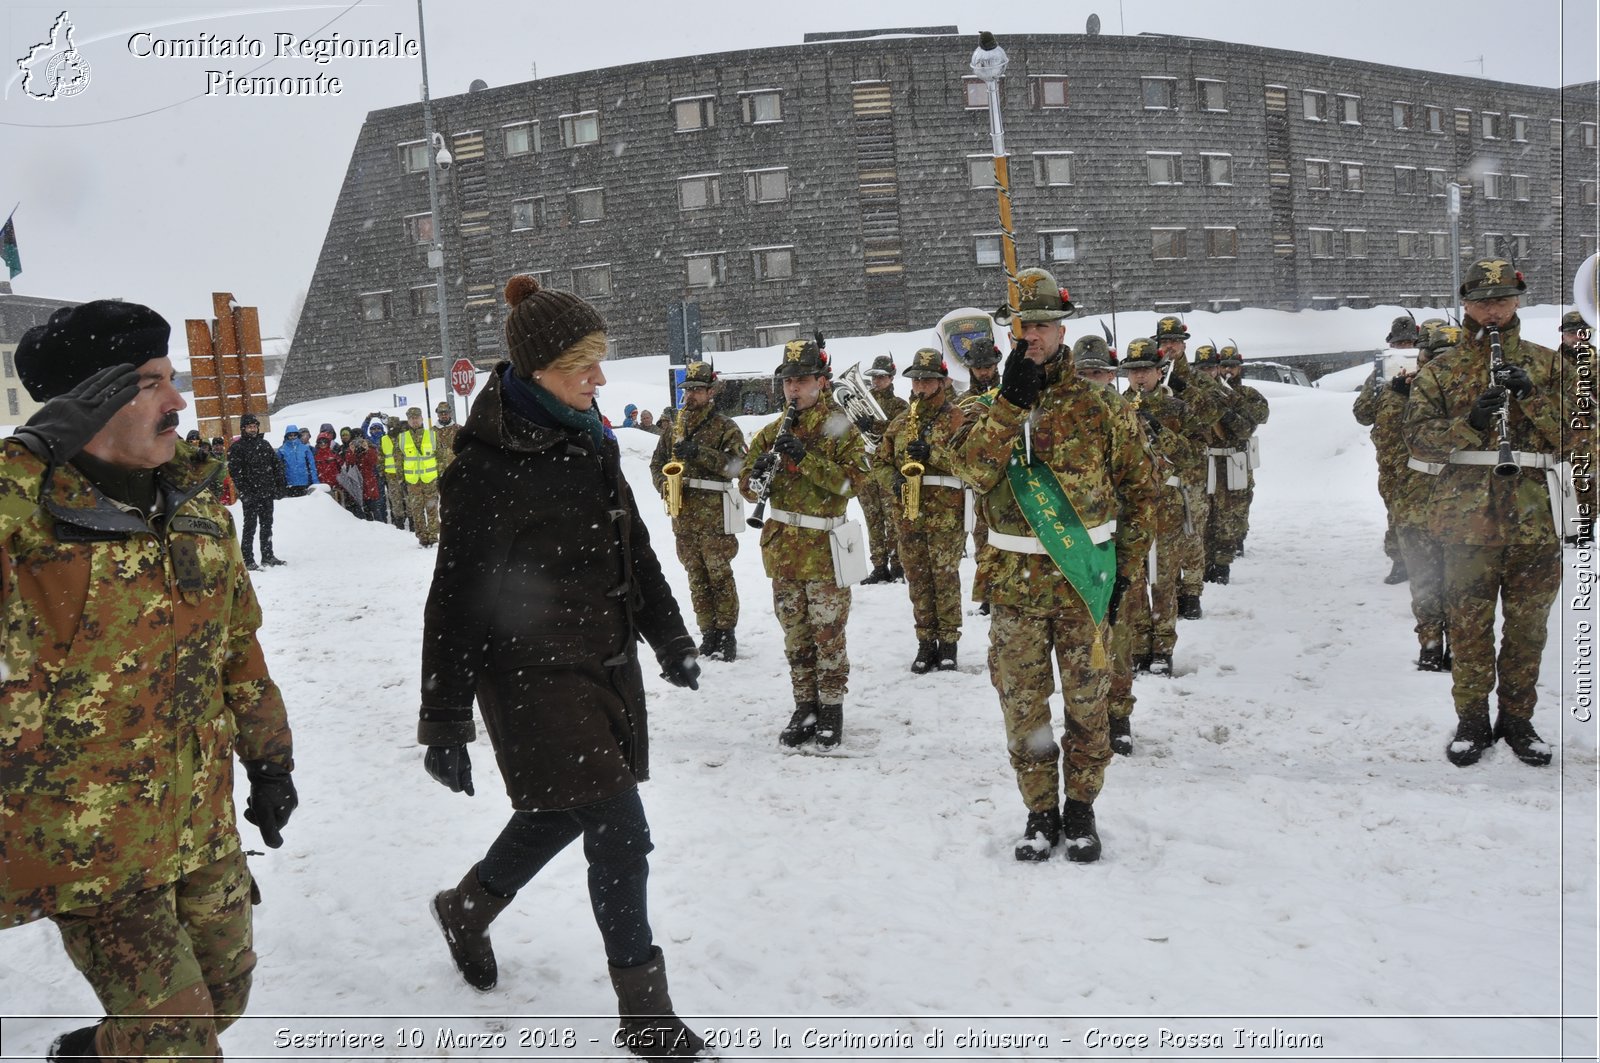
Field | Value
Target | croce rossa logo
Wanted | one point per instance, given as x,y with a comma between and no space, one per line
55,69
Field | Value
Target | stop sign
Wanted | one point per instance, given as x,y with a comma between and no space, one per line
462,376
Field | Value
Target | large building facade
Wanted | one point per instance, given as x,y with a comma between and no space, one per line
846,185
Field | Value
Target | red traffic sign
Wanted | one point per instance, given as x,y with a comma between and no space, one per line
462,376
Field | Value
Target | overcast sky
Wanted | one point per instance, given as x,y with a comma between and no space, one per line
143,187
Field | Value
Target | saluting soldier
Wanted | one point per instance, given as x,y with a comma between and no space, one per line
1404,334
1068,491
1250,404
816,462
1577,348
711,449
933,536
877,490
1204,403
1496,391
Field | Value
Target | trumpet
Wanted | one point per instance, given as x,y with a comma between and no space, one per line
1505,464
852,393
911,471
672,471
761,486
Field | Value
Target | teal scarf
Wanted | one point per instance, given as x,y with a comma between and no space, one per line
525,393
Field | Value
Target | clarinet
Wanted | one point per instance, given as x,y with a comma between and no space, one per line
1505,465
761,486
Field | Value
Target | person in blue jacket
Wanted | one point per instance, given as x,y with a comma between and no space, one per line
299,462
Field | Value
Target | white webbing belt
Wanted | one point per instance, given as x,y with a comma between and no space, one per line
709,485
1557,474
1027,544
943,481
1173,481
801,520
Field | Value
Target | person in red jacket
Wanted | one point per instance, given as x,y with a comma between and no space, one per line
327,460
360,455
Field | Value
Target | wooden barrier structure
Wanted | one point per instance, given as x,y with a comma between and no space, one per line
226,368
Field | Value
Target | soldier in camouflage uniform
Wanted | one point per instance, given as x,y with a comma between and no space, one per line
1577,348
1500,539
1404,334
394,483
877,490
1224,445
417,451
130,678
1077,439
1233,519
932,540
983,377
1204,403
710,448
444,434
816,461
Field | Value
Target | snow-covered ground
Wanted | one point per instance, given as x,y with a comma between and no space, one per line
1287,850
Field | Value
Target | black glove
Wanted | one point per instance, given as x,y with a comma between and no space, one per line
1021,381
899,485
686,450
919,450
682,671
1401,385
450,767
1487,408
1119,587
791,448
1515,379
1152,425
1234,424
61,428
1178,384
272,799
865,424
764,464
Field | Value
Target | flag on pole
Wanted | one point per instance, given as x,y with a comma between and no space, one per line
8,247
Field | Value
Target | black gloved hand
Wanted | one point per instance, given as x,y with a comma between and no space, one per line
919,450
1515,379
790,447
272,799
1177,383
1151,424
1401,385
687,450
450,767
62,427
1234,424
682,671
1119,587
1021,381
865,424
899,485
1487,408
764,464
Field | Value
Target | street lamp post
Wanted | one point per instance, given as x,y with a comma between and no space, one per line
438,158
988,65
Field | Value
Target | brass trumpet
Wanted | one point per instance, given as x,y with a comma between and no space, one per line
911,490
672,471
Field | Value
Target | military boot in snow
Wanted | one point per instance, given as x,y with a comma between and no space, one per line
1040,836
1121,735
1141,662
79,1044
1473,736
464,914
1431,659
1211,573
802,726
1189,607
1517,732
879,574
1397,572
927,651
710,643
830,726
946,661
896,573
728,646
648,1026
1219,574
1161,664
1078,832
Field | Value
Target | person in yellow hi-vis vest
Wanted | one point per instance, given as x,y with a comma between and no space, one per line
419,468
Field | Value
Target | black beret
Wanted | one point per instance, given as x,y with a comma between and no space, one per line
79,341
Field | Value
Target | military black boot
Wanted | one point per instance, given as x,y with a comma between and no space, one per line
1517,732
1211,572
1431,659
1078,832
983,607
1161,664
648,1026
728,646
927,651
1220,573
802,726
879,574
830,726
1122,735
896,573
710,642
1141,662
1189,607
464,914
946,659
1397,573
1473,736
79,1044
1040,836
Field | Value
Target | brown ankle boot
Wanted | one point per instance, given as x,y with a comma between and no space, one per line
648,1026
464,914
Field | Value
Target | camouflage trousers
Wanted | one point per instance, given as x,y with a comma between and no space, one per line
980,544
1227,519
707,558
422,506
878,508
1191,552
1020,648
1424,558
171,966
931,558
1152,609
1525,580
813,614
396,500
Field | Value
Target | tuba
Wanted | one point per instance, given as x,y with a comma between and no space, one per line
852,393
672,471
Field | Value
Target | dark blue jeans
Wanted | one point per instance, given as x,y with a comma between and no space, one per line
616,841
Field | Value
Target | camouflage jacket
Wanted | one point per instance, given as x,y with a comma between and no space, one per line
1174,453
941,422
819,486
893,406
1469,504
1252,405
720,457
132,677
1204,403
1102,463
1366,406
444,444
1405,491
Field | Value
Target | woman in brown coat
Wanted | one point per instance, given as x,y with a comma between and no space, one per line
544,586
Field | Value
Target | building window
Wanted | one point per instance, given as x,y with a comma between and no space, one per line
1058,246
8,357
373,306
980,171
986,249
1436,182
1163,168
693,113
414,157
1318,174
699,191
773,263
1405,244
1519,128
770,335
1586,193
1321,242
1463,122
1587,134
716,341
762,107
1314,105
1353,179
1404,114
592,281
1276,98
1491,185
1158,93
706,271
1405,180
1558,195
1435,119
1213,95
976,91
522,138
588,204
13,406
1521,246
1324,302
1222,242
1350,110
1218,169
1169,243
527,213
425,300
1355,243
1491,246
1438,246
1051,168
580,129
1048,91
420,228
767,186
1490,125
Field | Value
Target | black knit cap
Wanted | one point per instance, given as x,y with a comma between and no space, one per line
543,323
79,341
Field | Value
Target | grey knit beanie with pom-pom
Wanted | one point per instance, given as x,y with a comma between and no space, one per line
543,323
